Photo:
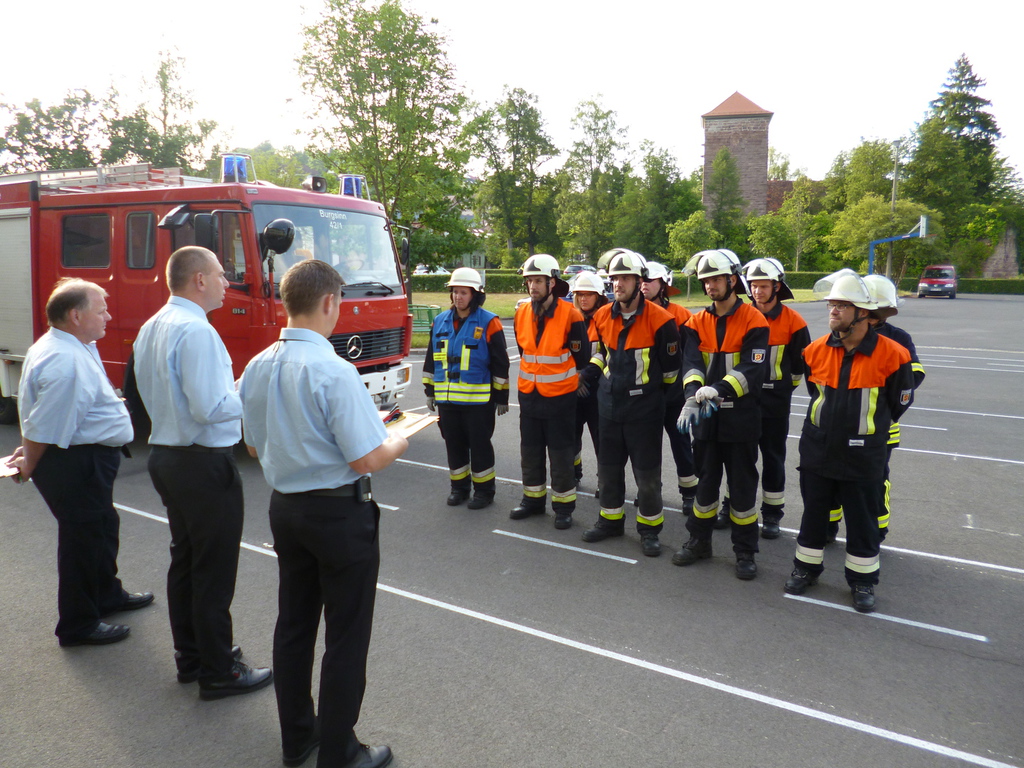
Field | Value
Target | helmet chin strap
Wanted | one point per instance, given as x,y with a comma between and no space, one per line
841,333
632,297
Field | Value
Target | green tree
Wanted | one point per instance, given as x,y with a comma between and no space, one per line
795,234
163,132
778,165
724,202
59,136
590,182
689,236
651,203
872,219
393,110
511,140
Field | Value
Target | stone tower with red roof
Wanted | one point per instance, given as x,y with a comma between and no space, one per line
741,126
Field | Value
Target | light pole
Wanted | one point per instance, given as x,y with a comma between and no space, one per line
895,181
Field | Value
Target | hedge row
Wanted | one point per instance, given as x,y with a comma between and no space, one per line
507,281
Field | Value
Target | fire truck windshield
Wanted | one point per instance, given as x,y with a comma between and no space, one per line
356,244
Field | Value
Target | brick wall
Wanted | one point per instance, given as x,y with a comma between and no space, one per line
746,138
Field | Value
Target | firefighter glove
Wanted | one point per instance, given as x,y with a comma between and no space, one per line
689,416
706,393
583,390
501,409
431,404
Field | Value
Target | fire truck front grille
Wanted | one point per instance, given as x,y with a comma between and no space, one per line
360,348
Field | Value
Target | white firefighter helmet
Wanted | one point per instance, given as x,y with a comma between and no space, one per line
541,264
884,293
656,271
588,281
467,278
849,286
769,269
720,262
626,262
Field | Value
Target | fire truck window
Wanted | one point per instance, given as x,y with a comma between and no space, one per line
86,241
141,240
232,252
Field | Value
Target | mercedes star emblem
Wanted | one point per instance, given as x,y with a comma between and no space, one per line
354,348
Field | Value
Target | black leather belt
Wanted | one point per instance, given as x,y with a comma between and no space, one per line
196,448
359,489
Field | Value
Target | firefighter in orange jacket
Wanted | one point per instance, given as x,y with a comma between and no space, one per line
638,352
553,346
860,382
787,338
657,288
726,359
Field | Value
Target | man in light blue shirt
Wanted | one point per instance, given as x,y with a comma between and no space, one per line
73,427
317,434
184,378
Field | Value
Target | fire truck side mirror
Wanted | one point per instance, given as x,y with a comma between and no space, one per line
404,252
277,236
207,230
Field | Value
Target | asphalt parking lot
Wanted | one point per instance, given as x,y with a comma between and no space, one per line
500,642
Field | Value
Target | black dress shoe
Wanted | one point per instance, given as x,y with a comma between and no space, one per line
479,502
746,568
650,545
524,511
692,551
863,597
132,602
191,673
370,757
799,580
243,679
456,497
601,532
104,634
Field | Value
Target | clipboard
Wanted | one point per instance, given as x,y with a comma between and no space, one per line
6,471
408,424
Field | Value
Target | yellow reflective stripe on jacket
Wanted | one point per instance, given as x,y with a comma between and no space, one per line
546,359
642,366
868,408
461,392
819,398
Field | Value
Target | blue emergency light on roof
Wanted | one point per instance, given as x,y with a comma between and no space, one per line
354,185
234,168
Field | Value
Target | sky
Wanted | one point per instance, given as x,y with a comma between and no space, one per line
833,74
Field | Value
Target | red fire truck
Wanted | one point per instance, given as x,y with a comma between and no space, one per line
117,226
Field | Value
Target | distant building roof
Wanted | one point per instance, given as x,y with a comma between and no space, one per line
737,105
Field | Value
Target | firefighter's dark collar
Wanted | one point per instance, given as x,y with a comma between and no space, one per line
617,310
732,311
774,312
867,344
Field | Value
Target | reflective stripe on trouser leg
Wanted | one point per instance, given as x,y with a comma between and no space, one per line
744,530
772,445
819,494
533,460
861,507
649,516
483,482
708,461
459,477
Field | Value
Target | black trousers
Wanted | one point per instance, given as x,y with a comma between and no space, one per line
328,557
549,437
739,462
861,503
77,485
467,432
203,496
682,449
639,443
774,433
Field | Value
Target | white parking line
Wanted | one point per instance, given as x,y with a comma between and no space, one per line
896,619
771,701
565,546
